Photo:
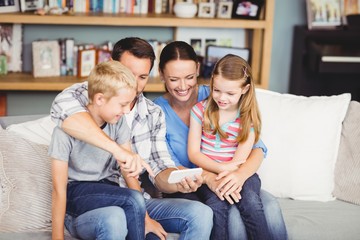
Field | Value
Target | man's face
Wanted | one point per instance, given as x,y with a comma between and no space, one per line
140,67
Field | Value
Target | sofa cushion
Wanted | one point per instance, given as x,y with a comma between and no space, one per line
347,171
25,180
38,130
303,136
331,220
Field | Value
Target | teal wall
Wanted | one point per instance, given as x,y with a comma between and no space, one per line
287,15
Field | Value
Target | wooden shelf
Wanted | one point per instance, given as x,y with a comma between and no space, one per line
26,82
146,20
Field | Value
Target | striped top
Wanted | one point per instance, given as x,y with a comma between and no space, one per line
220,150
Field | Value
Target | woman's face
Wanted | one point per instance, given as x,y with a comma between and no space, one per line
180,78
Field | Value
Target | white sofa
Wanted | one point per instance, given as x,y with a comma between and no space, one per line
313,167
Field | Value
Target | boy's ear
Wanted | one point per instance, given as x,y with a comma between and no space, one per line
99,99
245,89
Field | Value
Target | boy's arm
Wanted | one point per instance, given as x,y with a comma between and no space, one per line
59,170
195,155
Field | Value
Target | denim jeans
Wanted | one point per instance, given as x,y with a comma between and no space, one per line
107,223
273,215
86,196
191,219
236,227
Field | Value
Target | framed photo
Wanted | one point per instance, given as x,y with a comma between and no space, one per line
214,53
323,13
9,6
11,45
206,9
87,61
46,58
102,55
224,9
247,9
29,5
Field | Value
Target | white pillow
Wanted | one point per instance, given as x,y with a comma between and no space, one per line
302,135
38,131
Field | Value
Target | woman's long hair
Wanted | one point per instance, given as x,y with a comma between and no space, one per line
234,68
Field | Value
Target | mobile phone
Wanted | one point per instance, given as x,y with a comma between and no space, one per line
177,175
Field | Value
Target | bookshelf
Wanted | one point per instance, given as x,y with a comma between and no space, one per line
258,38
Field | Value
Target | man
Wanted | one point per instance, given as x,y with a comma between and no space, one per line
147,122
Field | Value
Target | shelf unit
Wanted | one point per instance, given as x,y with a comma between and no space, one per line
259,39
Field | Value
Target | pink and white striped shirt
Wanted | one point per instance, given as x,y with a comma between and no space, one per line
220,150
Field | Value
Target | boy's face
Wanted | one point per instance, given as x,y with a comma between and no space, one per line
114,108
140,67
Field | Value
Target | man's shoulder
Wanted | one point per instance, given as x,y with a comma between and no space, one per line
152,107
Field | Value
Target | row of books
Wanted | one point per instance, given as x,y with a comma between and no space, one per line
63,57
115,6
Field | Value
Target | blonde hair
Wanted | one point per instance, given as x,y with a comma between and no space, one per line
108,78
234,68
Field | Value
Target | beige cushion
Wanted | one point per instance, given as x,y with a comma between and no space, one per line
347,171
25,180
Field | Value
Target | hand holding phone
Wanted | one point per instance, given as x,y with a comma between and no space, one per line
178,175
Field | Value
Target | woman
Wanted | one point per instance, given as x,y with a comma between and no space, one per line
179,68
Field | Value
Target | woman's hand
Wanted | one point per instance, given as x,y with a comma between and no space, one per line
230,185
153,226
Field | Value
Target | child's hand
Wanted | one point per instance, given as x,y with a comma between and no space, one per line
230,166
132,163
153,226
230,186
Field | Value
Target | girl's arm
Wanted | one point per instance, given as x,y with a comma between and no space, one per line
59,170
231,183
195,155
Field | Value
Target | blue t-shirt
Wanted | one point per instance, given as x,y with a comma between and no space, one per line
177,131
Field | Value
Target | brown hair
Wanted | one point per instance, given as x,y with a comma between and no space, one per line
234,68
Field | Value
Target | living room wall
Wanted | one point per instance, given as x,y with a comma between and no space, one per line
287,15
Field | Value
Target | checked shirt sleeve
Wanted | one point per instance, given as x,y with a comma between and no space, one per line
73,99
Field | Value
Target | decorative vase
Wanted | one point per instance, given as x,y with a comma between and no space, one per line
185,9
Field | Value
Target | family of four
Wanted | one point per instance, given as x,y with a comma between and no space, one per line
108,133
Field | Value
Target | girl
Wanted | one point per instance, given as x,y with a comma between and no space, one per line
223,130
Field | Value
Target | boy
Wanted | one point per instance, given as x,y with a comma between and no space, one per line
86,177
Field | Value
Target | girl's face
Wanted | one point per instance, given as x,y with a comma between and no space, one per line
227,93
180,78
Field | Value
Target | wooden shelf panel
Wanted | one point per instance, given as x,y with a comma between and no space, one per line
145,20
26,82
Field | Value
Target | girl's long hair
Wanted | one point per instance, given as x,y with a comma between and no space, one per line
234,68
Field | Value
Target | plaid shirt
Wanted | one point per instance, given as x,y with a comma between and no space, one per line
147,131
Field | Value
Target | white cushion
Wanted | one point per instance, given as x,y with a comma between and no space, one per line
38,131
302,135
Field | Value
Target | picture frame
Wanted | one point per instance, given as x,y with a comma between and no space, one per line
206,10
46,58
102,55
11,45
247,9
323,14
29,5
214,53
10,6
224,9
87,61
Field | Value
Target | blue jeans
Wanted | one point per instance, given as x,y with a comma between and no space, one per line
273,217
191,219
86,196
250,208
236,226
